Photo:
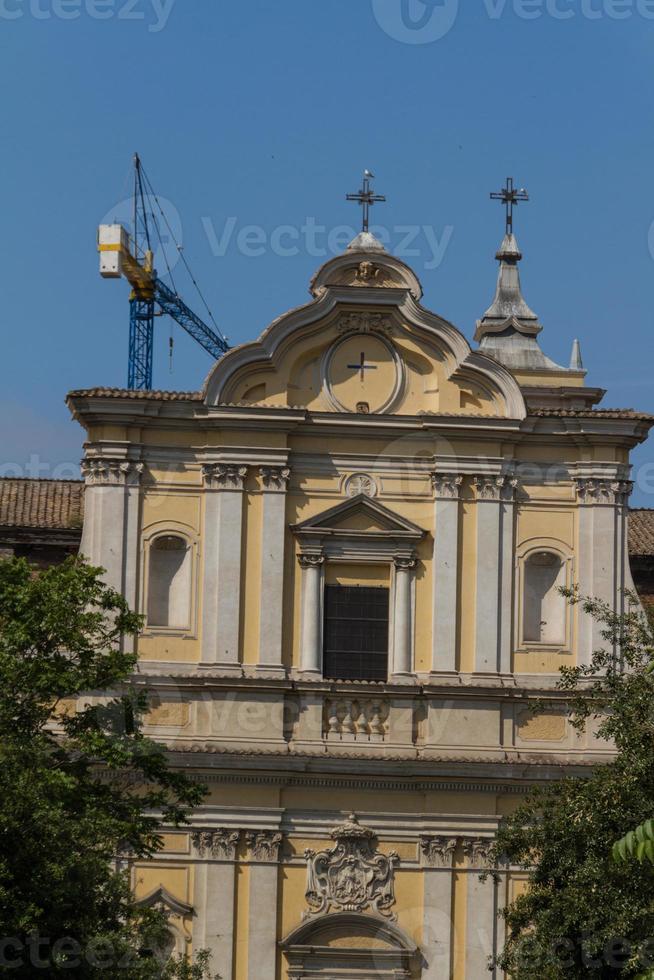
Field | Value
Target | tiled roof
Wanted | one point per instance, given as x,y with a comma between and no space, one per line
589,413
198,396
165,396
641,532
57,504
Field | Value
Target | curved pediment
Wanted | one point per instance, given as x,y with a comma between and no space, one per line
365,347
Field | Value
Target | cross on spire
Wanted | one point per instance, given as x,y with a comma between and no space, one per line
366,197
510,196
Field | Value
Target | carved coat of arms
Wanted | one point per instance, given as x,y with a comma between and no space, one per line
352,875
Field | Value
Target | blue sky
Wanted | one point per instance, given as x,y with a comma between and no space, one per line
264,113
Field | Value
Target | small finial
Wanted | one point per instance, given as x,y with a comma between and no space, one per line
366,197
576,363
510,196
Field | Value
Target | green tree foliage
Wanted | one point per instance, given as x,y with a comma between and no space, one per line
74,796
585,914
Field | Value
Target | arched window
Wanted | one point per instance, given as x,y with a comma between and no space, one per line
169,582
545,609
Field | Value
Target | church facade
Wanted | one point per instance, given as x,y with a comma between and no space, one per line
347,548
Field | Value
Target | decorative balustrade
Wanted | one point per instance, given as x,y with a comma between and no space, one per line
356,719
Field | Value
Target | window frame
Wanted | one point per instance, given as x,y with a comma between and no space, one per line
565,556
187,534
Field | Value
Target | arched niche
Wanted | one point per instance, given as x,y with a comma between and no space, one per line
352,946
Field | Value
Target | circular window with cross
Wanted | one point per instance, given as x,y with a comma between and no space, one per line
363,369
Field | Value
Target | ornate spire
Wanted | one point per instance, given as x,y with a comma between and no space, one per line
509,308
509,328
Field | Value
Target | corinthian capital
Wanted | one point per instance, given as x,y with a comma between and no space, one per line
478,852
438,852
107,472
447,486
275,477
224,476
264,845
218,843
495,487
612,492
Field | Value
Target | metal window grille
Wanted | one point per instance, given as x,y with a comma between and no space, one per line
356,633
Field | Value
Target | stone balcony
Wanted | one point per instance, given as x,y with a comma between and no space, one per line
467,719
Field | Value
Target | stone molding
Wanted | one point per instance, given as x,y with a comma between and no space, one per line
221,843
275,478
264,845
353,875
438,852
612,492
224,476
447,486
111,472
495,487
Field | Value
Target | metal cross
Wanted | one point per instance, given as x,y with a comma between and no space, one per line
362,366
366,197
510,196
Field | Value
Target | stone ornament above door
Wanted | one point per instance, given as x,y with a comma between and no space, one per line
362,369
352,876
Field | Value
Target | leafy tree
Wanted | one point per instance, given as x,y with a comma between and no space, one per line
75,794
585,914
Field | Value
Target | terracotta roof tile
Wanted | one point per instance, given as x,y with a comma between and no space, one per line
55,504
641,532
599,413
166,396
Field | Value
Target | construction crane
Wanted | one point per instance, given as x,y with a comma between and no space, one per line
132,256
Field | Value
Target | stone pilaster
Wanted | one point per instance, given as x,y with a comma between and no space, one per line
602,553
495,501
437,858
403,618
223,545
482,911
273,539
215,881
447,493
311,631
264,853
110,535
